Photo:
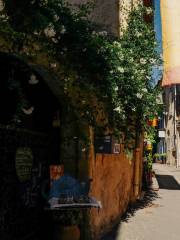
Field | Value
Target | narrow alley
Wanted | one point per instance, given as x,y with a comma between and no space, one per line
156,217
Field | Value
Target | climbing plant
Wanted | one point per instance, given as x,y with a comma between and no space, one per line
117,71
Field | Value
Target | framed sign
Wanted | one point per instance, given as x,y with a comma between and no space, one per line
117,148
161,133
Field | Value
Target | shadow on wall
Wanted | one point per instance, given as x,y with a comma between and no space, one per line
167,182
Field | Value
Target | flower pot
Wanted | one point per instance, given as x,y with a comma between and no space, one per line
66,232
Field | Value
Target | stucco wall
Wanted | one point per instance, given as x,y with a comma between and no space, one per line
169,103
105,13
110,15
112,184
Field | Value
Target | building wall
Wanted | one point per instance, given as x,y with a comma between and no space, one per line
117,181
104,13
110,15
170,127
172,124
112,184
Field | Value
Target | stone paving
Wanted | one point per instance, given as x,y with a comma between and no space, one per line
157,217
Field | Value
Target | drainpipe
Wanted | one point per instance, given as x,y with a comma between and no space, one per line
175,128
137,173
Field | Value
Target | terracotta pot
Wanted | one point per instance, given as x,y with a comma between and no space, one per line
66,232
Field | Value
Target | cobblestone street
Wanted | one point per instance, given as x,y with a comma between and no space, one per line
157,216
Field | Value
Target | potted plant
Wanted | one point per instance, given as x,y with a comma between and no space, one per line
163,158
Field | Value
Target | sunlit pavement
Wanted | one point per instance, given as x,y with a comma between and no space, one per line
158,217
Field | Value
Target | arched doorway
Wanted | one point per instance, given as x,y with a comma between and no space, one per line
29,143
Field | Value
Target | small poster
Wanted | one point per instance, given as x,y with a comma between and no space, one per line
117,148
56,171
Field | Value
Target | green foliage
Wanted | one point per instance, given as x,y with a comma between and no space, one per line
117,70
159,155
149,161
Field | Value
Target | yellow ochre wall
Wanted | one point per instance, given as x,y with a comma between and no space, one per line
170,14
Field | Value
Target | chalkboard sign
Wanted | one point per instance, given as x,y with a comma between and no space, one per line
103,144
24,163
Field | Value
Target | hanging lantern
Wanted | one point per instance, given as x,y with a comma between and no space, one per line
155,122
149,122
28,111
33,80
149,146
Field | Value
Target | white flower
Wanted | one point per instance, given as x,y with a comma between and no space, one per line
144,90
123,116
120,69
142,71
63,29
138,34
54,40
131,60
121,56
143,61
53,65
139,95
117,44
118,109
56,18
152,60
149,10
102,33
36,33
49,31
116,89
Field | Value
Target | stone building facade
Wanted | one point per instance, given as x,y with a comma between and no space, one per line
111,16
170,15
172,124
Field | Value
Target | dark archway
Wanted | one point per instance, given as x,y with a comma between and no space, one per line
28,109
25,99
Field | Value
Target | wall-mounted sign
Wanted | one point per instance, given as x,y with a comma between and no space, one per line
24,163
161,133
117,148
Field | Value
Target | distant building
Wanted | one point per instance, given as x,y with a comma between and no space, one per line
170,13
